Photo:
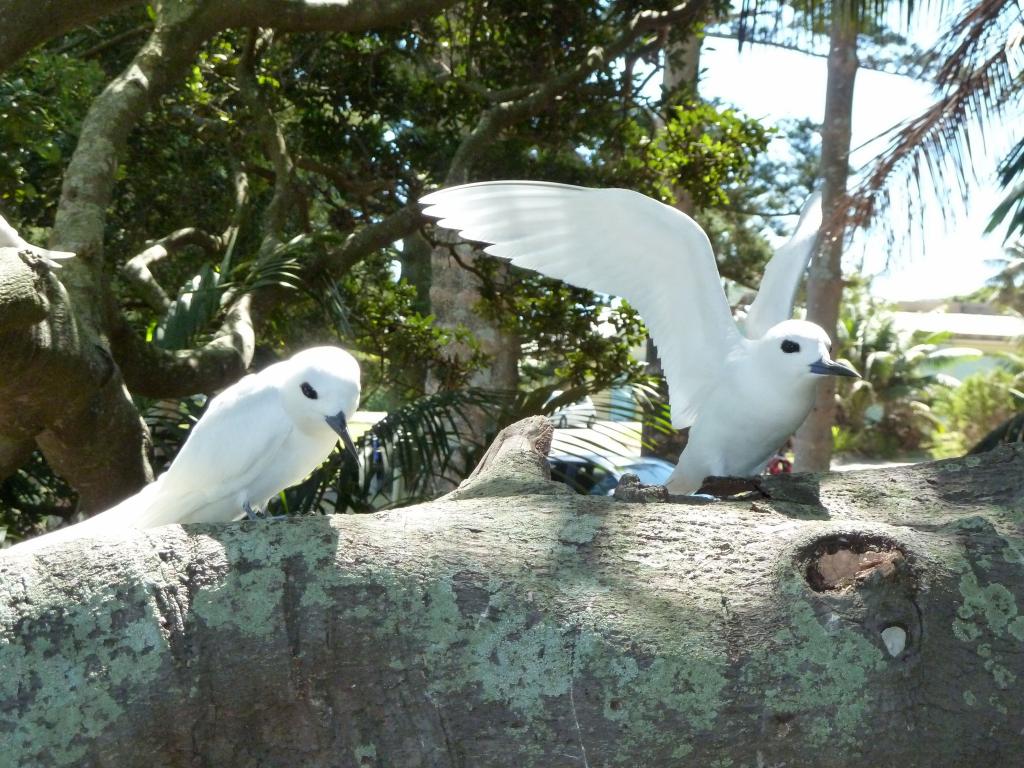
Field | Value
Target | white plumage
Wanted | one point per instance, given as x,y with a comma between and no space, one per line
742,394
9,238
259,436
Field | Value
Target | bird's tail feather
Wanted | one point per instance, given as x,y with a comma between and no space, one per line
132,513
156,508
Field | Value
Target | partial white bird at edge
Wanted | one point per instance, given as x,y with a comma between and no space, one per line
263,434
9,238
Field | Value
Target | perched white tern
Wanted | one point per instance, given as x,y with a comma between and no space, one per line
259,436
9,238
741,393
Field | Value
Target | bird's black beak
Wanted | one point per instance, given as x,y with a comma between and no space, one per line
338,424
833,368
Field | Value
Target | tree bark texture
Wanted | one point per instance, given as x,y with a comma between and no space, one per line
455,299
813,442
514,623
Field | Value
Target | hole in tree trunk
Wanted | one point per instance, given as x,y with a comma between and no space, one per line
842,561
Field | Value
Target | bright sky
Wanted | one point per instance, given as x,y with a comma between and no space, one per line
771,83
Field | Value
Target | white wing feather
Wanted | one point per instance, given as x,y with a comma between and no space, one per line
239,437
612,241
782,275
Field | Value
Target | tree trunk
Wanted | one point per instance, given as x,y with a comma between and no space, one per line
455,298
456,301
813,442
861,619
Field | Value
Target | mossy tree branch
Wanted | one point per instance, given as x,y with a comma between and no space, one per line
860,619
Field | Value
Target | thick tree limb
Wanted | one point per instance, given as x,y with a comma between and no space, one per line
370,238
275,146
27,23
861,619
136,270
327,15
519,451
151,371
64,393
343,181
101,450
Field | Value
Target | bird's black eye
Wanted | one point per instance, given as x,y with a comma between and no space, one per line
308,391
790,346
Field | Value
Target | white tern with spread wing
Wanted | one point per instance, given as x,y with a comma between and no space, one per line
259,436
9,238
741,393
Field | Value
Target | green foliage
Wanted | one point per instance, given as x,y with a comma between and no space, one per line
31,497
371,121
973,409
1006,287
776,185
704,149
377,313
1010,210
42,103
888,412
569,336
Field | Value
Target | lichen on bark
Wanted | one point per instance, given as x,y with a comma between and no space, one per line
512,623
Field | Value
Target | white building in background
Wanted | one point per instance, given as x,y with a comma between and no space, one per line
971,324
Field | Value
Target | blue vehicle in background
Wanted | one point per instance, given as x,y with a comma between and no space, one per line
596,475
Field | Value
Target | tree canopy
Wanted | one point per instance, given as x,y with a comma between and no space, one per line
240,179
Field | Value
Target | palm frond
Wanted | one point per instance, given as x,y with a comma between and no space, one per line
431,444
195,308
1011,208
281,267
425,445
815,14
976,82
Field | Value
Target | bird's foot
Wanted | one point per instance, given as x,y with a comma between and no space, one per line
255,513
732,488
